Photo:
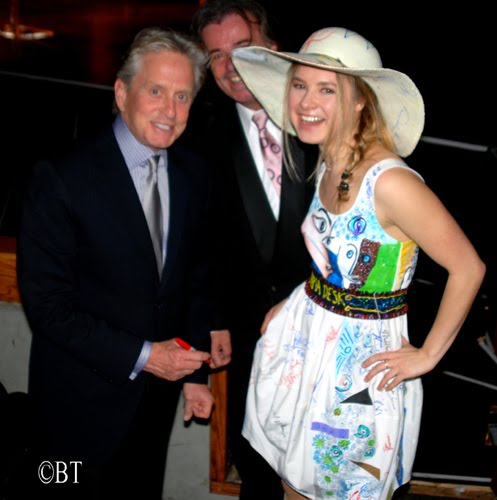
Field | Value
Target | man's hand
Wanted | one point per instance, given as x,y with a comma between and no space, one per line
170,361
198,401
220,348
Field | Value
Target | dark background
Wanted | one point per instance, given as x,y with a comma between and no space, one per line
448,51
57,90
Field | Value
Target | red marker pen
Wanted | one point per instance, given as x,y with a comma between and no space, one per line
188,347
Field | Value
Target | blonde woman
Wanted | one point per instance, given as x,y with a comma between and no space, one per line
335,399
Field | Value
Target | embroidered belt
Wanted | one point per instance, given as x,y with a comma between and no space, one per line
355,304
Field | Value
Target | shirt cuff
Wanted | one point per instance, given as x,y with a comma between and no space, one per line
142,359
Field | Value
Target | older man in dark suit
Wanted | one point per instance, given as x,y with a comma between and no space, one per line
111,270
257,209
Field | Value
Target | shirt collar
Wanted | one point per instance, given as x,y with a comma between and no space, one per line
246,115
134,152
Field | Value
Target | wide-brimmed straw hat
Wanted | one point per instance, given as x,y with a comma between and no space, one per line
265,71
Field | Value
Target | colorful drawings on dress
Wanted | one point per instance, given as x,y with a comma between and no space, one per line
347,252
288,379
269,348
388,445
298,345
365,263
343,261
332,334
359,398
332,431
346,345
344,383
310,306
342,451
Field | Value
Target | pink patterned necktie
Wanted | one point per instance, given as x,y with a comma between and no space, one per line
271,150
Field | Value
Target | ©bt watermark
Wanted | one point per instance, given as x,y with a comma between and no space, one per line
59,472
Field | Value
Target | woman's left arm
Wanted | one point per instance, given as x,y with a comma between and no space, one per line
408,209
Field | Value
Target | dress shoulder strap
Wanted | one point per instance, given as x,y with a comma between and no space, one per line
388,163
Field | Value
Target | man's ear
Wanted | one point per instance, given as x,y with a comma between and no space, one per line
120,91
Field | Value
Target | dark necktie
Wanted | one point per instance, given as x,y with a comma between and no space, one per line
271,150
152,209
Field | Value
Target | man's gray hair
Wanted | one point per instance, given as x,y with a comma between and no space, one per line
158,40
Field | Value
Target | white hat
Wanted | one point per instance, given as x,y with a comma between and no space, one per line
265,71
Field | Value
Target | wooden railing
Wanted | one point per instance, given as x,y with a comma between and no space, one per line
219,451
8,277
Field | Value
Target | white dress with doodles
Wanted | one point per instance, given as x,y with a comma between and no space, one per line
310,414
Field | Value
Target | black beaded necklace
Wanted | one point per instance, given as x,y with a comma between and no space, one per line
343,187
346,177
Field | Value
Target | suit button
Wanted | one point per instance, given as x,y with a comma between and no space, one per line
273,289
159,305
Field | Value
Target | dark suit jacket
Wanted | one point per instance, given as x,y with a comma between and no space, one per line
257,261
92,294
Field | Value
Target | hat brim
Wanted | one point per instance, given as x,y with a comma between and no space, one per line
265,73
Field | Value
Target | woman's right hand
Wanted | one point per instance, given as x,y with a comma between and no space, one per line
271,314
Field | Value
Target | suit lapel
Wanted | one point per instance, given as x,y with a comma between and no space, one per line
178,207
257,208
121,197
